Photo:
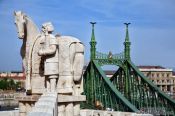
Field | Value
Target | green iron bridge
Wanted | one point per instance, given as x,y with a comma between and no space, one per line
127,90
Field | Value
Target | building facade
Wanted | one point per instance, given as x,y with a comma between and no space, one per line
163,78
160,76
17,76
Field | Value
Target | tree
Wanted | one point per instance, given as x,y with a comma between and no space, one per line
8,84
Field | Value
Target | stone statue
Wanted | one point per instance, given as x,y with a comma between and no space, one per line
70,58
50,54
71,61
52,63
28,32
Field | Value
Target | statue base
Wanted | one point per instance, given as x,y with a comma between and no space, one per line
68,105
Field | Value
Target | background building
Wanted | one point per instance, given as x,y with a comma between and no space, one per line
17,76
160,76
163,77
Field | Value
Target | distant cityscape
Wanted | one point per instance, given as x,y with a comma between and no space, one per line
163,77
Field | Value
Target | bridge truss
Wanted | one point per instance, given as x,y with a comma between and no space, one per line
127,90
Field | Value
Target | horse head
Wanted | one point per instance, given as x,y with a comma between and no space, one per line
20,23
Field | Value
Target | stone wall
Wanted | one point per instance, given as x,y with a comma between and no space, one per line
9,113
7,99
87,112
8,102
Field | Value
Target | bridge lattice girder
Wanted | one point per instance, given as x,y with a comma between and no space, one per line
127,90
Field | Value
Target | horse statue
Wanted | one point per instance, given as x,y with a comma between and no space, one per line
28,32
71,57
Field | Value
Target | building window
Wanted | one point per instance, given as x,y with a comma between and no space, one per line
168,81
147,75
163,75
163,88
167,74
157,81
163,81
168,88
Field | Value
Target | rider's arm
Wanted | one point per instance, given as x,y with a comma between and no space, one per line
51,49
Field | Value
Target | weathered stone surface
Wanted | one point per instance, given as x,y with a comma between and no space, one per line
27,97
41,56
28,32
46,105
53,66
71,61
87,112
67,98
9,113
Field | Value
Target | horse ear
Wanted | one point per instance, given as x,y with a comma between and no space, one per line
24,15
15,13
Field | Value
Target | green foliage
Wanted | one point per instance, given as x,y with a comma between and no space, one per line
8,84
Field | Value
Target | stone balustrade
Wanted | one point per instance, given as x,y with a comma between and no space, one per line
45,106
87,112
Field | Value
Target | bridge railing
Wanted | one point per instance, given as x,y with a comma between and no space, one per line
100,55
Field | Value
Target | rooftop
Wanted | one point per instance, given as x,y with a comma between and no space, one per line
154,68
173,73
150,67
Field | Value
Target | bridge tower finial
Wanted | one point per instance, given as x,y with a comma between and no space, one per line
93,42
127,43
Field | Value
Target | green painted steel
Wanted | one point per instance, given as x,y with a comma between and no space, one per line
127,43
93,42
101,93
141,92
127,90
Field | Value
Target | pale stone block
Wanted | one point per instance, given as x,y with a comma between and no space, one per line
87,112
28,106
61,109
39,114
69,110
43,109
48,98
22,109
9,113
67,98
76,109
50,103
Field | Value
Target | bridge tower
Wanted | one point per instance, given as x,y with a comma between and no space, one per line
127,43
93,42
127,90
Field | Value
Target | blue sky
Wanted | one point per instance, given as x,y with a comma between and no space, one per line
152,31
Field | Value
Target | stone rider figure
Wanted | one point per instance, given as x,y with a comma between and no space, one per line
49,52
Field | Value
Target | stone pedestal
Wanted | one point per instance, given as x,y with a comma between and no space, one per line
68,105
26,102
